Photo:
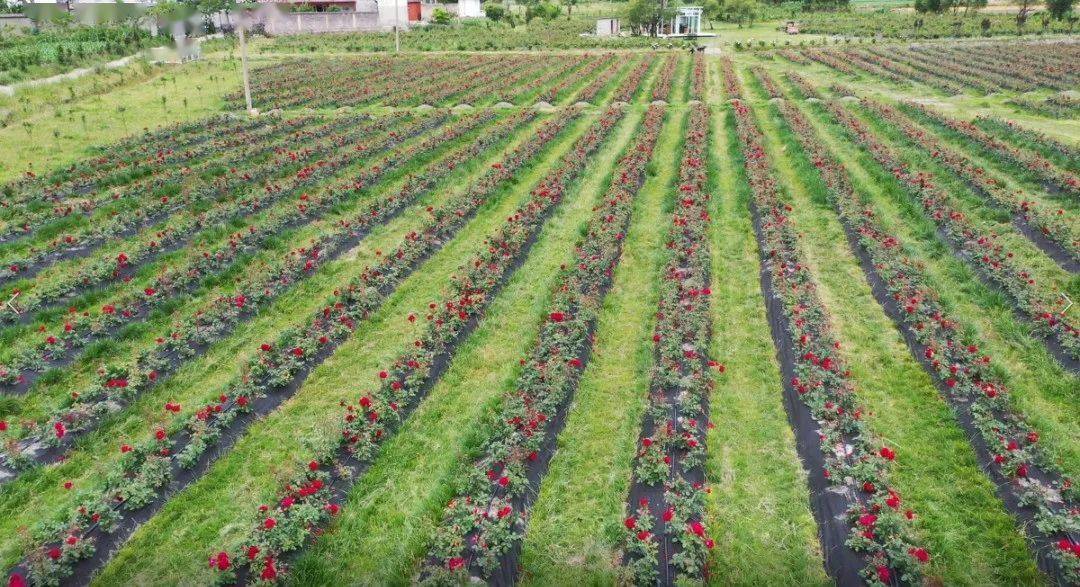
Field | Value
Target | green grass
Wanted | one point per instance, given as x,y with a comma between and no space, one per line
393,510
215,511
759,508
63,133
574,528
961,520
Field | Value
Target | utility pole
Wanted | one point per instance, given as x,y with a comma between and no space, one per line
397,26
243,61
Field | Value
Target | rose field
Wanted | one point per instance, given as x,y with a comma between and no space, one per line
601,314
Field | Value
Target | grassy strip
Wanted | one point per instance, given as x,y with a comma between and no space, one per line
759,508
412,475
1040,387
575,526
62,134
40,490
970,536
200,518
680,82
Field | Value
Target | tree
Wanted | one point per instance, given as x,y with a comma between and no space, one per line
208,8
494,11
569,4
1059,9
932,6
712,10
648,15
543,10
1022,16
441,16
741,11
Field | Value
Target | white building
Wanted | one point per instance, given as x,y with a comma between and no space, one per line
469,9
686,22
607,27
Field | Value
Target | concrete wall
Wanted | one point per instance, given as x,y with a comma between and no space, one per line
321,22
393,13
427,9
15,20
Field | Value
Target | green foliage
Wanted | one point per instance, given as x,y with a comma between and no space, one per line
441,16
56,48
647,16
741,11
1059,9
926,25
542,10
494,11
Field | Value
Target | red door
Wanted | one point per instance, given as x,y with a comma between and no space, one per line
414,12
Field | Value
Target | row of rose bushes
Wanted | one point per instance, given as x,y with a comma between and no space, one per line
1063,105
355,81
953,358
854,458
981,78
144,192
430,82
114,162
804,87
306,502
796,57
632,83
297,173
662,87
1006,72
433,81
669,464
293,136
511,78
1065,155
830,59
1030,161
981,248
884,65
1053,63
895,72
566,81
1056,225
698,77
146,468
484,520
76,329
772,90
192,333
601,81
